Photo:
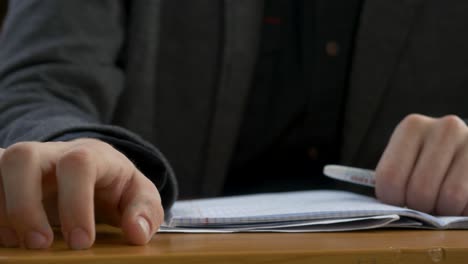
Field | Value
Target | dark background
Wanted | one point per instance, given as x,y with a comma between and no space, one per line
3,7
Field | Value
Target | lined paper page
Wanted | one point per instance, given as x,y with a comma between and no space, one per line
276,207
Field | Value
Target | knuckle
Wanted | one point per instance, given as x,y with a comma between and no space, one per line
448,131
451,123
77,157
95,143
453,119
413,122
414,119
23,152
97,146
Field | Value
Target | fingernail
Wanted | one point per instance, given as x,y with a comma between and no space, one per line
78,239
144,225
35,240
8,237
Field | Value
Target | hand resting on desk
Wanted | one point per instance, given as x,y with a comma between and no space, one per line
65,183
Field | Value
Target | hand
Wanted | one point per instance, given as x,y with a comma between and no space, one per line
66,183
425,166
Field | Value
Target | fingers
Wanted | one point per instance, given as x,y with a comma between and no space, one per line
128,198
73,176
83,169
96,172
76,175
21,171
397,162
453,194
142,210
437,153
424,165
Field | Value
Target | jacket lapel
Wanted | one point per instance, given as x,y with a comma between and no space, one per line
383,31
241,39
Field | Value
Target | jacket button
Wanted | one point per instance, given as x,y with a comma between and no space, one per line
332,48
313,153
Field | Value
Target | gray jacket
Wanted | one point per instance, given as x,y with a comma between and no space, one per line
176,74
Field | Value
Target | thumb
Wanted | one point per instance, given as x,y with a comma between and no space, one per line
142,212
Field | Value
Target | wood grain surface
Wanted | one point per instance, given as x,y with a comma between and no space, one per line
364,247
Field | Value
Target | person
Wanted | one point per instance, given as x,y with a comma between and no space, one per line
239,96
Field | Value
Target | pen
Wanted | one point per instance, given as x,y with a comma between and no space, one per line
350,174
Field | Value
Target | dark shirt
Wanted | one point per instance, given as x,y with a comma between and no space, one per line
293,119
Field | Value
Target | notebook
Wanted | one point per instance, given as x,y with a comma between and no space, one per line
303,211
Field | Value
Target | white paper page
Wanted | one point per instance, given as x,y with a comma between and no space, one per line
290,206
362,223
454,222
328,225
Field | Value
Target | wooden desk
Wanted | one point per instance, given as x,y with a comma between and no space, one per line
367,247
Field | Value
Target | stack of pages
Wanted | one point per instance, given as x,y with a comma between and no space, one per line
305,211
